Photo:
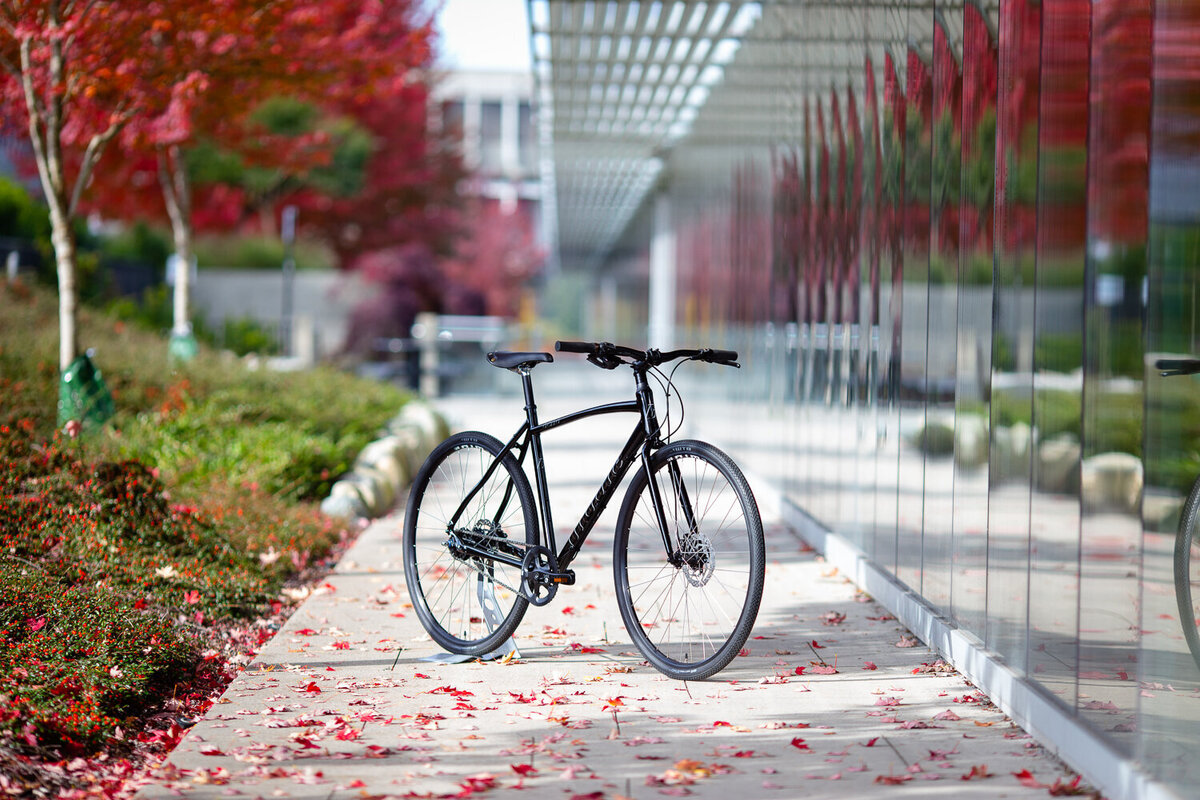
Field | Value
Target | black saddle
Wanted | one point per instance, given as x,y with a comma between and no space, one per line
507,360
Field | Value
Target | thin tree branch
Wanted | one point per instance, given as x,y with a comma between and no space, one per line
94,149
34,107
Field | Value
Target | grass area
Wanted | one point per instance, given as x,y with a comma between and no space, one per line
129,554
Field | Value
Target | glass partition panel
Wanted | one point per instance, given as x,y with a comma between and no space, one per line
941,359
915,289
891,302
1058,348
1111,477
1168,723
1011,410
974,352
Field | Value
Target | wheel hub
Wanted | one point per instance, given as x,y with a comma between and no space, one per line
696,558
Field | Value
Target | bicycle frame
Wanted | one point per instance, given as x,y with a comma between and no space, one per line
642,442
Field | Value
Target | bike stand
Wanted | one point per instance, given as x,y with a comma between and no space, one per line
486,592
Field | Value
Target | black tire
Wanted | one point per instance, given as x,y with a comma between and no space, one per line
449,591
691,619
1184,541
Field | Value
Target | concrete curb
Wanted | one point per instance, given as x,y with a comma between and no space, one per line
385,466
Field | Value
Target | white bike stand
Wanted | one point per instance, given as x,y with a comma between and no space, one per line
486,592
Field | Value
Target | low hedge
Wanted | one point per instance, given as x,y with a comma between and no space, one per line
127,555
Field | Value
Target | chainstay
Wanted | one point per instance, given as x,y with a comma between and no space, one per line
479,569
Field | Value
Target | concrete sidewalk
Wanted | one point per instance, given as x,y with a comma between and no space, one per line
342,704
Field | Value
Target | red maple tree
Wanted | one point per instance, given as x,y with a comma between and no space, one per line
328,56
77,74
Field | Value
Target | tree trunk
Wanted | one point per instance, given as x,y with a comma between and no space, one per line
45,128
63,239
173,177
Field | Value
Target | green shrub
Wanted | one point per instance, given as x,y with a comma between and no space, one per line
123,553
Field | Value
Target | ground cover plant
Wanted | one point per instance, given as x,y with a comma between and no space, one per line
140,562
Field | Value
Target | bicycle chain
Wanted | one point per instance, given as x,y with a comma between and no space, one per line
537,601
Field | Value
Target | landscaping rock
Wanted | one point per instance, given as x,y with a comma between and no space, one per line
1058,465
386,465
970,441
1112,482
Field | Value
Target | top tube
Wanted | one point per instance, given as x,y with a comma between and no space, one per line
594,411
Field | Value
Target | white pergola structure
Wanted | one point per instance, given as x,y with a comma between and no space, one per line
622,85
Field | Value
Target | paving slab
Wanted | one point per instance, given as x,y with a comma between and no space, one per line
830,698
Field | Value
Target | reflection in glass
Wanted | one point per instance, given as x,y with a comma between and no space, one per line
1058,349
891,305
974,351
1111,477
1011,409
1170,729
941,361
947,265
915,289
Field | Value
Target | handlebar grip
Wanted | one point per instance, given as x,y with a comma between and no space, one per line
722,355
575,347
1177,366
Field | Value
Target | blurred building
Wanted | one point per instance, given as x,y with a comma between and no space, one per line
493,113
950,240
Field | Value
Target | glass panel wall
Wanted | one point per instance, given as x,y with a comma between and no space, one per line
950,240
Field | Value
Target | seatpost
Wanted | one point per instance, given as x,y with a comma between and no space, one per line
527,386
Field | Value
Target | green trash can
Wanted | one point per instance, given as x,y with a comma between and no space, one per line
182,348
83,395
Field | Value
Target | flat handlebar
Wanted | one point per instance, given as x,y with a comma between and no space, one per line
609,355
1177,366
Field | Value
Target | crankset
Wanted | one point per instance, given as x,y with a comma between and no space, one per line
539,582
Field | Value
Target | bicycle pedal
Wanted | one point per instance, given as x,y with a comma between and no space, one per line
565,578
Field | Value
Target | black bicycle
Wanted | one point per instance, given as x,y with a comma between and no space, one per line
688,557
1186,537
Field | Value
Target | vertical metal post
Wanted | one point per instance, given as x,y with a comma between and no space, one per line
662,276
287,232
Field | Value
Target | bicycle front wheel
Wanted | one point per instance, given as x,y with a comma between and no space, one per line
459,520
689,602
1185,542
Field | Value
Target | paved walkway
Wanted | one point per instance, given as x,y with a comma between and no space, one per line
343,704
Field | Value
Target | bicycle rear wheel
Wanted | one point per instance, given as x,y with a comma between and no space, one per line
469,603
689,610
1185,542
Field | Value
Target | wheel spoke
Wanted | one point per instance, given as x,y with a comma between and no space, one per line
445,582
693,617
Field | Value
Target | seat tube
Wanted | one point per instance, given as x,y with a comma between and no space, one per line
539,467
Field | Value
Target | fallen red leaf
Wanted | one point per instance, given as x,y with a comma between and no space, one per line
892,780
799,744
1025,777
1060,789
977,772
